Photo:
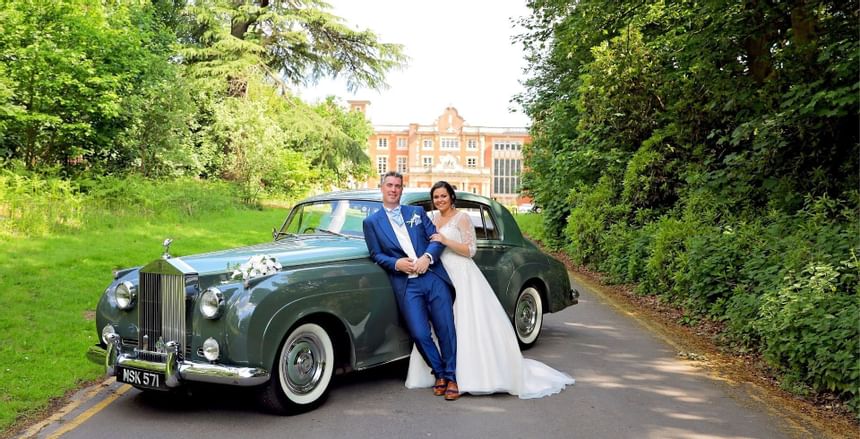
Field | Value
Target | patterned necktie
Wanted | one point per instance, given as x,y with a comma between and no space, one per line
396,216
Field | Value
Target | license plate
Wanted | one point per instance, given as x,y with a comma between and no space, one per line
141,378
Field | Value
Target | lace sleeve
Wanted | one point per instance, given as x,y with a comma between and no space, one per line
467,231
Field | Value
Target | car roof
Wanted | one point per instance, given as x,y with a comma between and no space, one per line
509,230
410,195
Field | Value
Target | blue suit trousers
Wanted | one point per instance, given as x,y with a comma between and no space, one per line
428,299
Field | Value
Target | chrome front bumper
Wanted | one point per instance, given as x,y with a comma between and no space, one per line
174,370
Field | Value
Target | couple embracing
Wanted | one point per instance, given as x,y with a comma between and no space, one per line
427,261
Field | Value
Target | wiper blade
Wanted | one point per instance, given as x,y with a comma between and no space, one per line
278,235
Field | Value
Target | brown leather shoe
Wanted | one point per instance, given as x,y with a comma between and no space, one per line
452,392
440,386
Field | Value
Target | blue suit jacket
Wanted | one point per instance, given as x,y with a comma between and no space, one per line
385,249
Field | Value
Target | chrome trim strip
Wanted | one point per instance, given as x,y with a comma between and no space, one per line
220,374
173,309
177,371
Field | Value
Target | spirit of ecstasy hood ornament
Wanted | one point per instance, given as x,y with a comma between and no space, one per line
166,245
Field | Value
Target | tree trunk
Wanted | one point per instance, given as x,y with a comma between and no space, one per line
803,32
239,27
757,44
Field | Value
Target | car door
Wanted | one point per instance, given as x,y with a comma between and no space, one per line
492,255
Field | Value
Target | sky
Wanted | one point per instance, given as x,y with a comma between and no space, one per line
460,54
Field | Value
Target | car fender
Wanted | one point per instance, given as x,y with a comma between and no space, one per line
352,298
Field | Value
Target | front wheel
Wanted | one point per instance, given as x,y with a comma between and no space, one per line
302,371
528,317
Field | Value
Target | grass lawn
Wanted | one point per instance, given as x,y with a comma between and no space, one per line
531,225
49,288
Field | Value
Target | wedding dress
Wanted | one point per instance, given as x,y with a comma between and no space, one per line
488,355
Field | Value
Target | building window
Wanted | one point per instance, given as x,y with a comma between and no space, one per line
401,164
471,162
382,142
507,146
427,161
382,165
449,143
401,143
472,144
506,176
428,144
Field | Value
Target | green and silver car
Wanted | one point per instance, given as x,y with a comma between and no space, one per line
285,315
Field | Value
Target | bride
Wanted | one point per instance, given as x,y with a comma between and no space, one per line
488,356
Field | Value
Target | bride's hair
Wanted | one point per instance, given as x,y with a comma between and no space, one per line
448,188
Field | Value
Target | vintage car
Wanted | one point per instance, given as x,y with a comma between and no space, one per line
285,315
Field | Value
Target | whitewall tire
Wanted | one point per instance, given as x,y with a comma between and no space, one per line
302,372
528,316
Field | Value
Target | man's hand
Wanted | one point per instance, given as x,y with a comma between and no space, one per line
405,265
421,264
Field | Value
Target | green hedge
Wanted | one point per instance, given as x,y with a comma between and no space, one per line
785,285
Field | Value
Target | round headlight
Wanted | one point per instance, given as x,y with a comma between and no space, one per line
212,303
211,350
107,330
125,294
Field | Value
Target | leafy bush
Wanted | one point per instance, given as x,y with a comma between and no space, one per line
650,180
667,257
33,205
810,328
593,211
181,197
626,251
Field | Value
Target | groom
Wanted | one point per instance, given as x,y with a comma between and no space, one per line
398,238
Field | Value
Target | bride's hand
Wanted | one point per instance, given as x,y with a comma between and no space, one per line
438,238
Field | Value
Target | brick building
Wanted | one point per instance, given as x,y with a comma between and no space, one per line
482,160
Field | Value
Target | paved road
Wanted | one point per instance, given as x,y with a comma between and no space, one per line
630,384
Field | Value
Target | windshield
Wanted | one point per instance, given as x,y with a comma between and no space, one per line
343,217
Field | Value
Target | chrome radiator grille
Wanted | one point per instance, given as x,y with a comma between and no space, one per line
162,314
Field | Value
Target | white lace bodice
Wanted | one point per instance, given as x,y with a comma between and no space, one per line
460,229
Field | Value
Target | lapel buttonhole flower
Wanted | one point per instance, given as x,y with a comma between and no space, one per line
415,220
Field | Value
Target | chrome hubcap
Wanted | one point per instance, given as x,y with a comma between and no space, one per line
304,363
526,315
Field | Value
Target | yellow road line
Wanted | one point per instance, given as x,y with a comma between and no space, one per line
33,430
74,423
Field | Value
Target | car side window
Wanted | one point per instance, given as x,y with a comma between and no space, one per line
482,219
490,228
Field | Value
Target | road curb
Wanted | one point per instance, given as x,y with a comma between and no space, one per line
82,404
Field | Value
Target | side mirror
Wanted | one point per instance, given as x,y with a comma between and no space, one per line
274,234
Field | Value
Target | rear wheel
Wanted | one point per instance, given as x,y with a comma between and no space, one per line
528,317
302,371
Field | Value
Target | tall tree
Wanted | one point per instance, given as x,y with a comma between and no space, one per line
294,40
232,45
74,67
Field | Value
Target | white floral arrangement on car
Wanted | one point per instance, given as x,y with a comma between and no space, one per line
257,265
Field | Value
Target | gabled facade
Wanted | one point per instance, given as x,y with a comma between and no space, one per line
484,160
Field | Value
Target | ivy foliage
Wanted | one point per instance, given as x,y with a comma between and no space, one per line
708,151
